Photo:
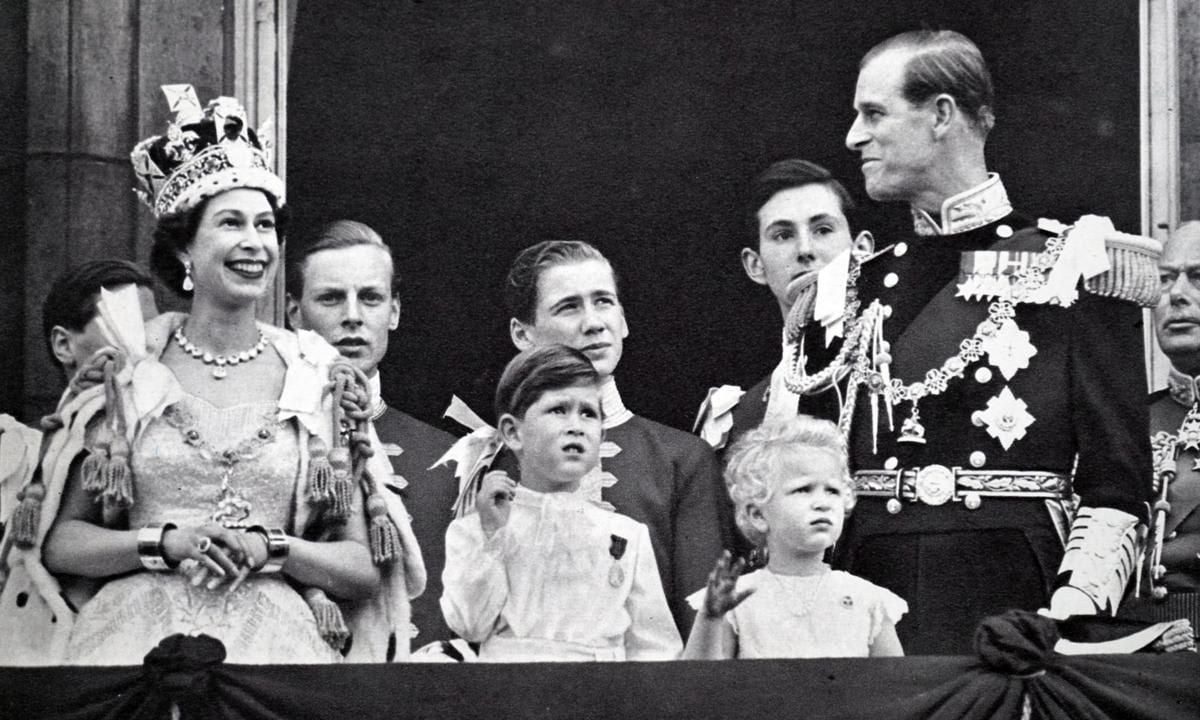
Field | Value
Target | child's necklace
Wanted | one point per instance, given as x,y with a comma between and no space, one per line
801,604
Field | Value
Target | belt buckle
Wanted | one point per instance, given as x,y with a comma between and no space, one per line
934,484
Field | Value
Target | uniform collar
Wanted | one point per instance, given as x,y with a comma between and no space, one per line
983,204
1184,389
375,386
615,412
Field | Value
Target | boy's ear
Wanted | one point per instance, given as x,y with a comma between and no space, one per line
292,311
753,265
863,245
509,428
61,343
520,334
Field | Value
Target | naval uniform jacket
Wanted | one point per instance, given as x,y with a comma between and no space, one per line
429,494
1182,530
1084,388
752,407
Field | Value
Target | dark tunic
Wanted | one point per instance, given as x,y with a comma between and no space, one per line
752,407
668,480
429,497
1085,390
1182,531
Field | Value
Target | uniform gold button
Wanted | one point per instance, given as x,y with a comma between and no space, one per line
890,463
893,506
978,459
900,249
887,311
890,280
983,375
1004,231
972,501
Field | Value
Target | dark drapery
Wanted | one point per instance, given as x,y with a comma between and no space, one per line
1015,669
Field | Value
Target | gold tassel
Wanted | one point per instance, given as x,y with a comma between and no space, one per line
328,615
384,535
341,489
27,517
95,467
320,472
118,488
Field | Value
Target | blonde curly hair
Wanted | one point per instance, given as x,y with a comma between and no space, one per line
756,463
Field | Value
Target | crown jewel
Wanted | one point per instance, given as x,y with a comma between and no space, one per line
205,151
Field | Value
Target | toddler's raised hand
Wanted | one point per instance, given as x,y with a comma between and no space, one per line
494,500
722,594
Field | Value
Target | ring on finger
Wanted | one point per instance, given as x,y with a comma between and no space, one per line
188,565
204,544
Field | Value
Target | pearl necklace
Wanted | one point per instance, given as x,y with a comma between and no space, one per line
219,362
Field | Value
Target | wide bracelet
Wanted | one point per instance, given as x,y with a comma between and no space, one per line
150,549
277,548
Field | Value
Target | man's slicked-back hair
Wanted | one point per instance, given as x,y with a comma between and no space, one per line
785,175
538,370
71,302
521,285
944,61
336,235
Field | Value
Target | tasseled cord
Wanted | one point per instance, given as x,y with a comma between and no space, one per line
26,518
330,483
353,404
106,471
328,615
332,475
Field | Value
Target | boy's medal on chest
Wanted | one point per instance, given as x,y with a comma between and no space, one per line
616,576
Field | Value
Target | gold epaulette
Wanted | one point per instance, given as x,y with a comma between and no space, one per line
1133,271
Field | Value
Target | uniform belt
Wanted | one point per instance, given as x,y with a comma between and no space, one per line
938,485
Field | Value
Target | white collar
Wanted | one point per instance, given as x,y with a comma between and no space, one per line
983,204
615,412
1184,389
375,386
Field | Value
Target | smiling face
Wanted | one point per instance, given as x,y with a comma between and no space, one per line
894,137
807,507
557,441
800,230
235,250
347,299
1177,315
577,306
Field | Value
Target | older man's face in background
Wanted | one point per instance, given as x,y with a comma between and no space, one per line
1177,316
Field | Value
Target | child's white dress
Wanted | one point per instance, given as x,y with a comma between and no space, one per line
831,614
564,580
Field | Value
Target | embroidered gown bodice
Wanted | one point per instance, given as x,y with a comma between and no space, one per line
200,463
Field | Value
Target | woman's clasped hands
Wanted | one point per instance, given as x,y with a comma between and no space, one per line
214,555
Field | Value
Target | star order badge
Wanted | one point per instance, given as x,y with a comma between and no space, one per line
1009,349
1006,418
1189,431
